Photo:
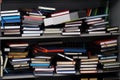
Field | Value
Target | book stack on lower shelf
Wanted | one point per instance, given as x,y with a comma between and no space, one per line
42,66
16,57
107,52
89,65
65,67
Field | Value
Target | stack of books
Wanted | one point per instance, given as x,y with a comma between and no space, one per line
20,64
32,23
16,49
17,55
96,24
42,65
72,28
112,29
52,31
89,65
107,51
109,63
65,67
10,20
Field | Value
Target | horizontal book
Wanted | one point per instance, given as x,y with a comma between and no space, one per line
81,50
11,21
39,64
30,34
97,32
66,72
17,44
11,14
10,17
57,69
31,31
77,33
9,11
23,59
88,71
46,8
10,27
61,19
49,49
60,13
65,62
65,57
88,65
107,41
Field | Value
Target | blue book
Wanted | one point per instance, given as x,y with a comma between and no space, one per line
109,57
82,50
10,17
40,64
11,21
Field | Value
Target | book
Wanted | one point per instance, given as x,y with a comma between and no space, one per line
46,8
17,44
66,57
66,62
11,14
10,17
9,11
52,49
60,19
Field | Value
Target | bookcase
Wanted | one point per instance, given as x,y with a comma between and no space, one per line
84,41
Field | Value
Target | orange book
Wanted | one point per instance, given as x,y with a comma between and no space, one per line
48,50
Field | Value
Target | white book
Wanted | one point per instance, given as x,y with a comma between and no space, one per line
90,68
108,45
108,42
93,19
26,28
10,27
32,35
48,21
44,69
60,19
71,33
11,14
23,59
9,11
33,32
46,8
95,29
95,22
66,72
72,53
97,32
88,65
92,62
88,71
65,68
66,57
70,25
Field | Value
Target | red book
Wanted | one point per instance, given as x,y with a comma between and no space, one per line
32,18
48,50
